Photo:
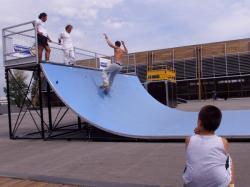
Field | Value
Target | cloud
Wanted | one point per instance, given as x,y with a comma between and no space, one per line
235,23
82,10
116,24
144,24
198,21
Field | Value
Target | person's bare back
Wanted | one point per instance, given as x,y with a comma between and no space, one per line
115,67
118,51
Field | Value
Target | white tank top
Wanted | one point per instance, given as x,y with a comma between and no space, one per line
205,162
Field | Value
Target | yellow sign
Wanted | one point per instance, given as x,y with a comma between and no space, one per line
162,74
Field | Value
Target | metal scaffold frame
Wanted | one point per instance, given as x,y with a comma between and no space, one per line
44,126
26,106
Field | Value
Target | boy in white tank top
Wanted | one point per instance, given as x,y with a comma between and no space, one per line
208,163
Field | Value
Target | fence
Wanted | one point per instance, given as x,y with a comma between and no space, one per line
20,48
19,44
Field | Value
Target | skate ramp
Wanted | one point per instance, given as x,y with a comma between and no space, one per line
127,109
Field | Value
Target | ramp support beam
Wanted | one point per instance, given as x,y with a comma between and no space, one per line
49,107
39,73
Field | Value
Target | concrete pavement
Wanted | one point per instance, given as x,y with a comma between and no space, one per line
103,163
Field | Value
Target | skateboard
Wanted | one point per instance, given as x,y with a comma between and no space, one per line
105,88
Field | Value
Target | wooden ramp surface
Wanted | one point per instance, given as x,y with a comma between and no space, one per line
9,182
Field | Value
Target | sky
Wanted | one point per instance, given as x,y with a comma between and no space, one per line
142,24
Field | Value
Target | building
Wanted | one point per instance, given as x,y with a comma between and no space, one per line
3,101
203,71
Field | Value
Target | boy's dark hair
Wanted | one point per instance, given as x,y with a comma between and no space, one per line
118,44
68,26
43,14
210,117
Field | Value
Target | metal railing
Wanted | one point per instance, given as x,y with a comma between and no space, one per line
129,64
228,65
19,44
231,64
20,48
220,66
83,57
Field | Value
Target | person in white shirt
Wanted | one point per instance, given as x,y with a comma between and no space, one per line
208,163
42,37
67,45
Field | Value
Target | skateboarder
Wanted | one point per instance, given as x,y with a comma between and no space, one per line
116,65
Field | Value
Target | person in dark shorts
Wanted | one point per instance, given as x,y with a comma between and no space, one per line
42,37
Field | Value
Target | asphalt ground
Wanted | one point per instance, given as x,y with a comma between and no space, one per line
95,164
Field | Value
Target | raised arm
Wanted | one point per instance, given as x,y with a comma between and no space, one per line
125,48
109,42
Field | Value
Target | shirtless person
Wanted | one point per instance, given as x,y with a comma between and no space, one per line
116,66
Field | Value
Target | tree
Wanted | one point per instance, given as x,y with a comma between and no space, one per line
34,94
17,87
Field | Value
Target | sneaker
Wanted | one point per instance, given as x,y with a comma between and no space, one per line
105,86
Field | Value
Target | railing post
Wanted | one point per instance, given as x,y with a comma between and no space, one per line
4,46
173,59
135,65
238,55
213,67
79,122
96,61
199,70
225,52
36,44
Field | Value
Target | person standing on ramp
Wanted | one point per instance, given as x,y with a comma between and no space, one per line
67,45
116,65
42,37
